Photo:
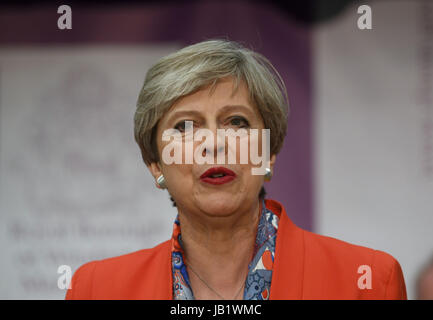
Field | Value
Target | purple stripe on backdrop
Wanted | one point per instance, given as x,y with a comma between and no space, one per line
261,27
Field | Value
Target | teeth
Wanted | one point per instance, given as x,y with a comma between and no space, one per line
217,175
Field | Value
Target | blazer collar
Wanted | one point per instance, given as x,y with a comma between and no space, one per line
288,272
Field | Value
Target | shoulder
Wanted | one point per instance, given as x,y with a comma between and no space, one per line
374,273
325,247
92,276
330,268
135,258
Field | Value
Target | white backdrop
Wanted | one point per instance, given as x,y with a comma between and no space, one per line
374,131
73,185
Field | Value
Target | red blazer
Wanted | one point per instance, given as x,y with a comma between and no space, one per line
307,266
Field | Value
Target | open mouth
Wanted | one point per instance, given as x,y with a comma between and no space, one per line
218,175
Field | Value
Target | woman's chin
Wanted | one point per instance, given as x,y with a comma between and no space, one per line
219,205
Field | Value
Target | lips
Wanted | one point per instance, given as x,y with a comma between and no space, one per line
218,175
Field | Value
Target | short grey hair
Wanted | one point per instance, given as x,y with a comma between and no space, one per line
198,66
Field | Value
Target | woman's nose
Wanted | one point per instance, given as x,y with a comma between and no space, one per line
215,145
212,151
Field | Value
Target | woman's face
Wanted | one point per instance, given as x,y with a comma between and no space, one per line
185,182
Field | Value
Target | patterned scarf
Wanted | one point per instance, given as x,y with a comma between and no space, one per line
258,281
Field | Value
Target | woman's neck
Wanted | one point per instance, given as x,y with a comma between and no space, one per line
219,250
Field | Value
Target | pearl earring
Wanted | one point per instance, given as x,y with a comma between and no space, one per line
268,174
161,182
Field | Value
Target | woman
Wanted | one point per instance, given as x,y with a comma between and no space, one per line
228,242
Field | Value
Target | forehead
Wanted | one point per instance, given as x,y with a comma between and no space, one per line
216,99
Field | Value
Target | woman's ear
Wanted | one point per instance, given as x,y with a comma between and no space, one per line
155,170
272,161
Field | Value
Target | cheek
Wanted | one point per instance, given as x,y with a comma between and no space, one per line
250,180
179,180
175,172
180,173
251,185
257,140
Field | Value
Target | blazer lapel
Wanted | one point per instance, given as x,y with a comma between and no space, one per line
159,280
288,270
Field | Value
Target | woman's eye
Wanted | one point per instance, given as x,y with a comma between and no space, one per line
183,125
240,122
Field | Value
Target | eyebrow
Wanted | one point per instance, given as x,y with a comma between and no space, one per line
237,107
226,108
